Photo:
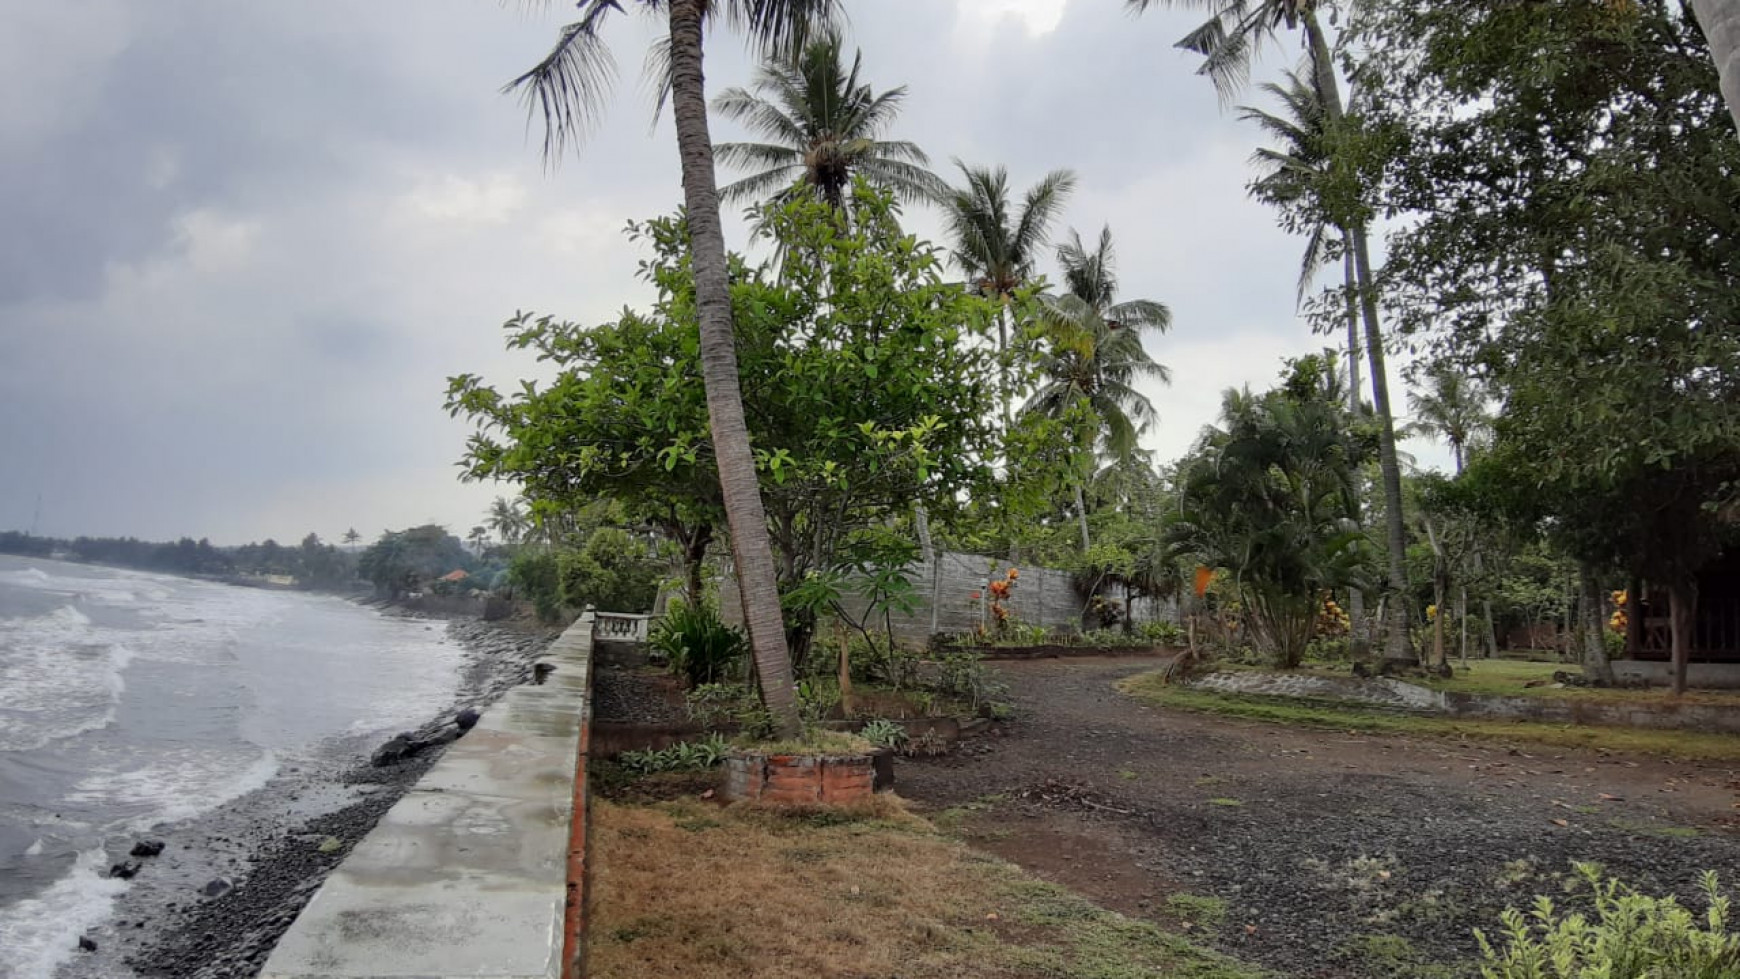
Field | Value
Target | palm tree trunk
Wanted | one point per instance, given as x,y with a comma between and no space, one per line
1396,644
1358,635
737,479
1720,20
1329,91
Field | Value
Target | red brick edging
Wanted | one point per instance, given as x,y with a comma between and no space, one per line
574,911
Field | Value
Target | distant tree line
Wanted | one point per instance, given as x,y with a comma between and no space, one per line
313,563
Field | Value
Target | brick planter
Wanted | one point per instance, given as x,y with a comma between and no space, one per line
831,780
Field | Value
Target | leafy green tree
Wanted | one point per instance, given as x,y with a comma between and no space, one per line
863,380
997,243
1570,170
567,88
403,561
352,538
1263,497
821,127
1094,355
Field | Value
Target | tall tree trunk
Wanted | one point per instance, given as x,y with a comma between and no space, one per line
1720,20
1681,601
1081,516
1358,632
1595,664
737,479
927,550
1462,622
1396,646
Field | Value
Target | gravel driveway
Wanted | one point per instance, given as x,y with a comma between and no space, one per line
1333,854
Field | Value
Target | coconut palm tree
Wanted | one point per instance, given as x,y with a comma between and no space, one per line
821,127
1095,354
508,519
1227,41
567,89
997,244
1452,408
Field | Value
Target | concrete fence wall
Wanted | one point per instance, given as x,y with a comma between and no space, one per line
1041,596
480,869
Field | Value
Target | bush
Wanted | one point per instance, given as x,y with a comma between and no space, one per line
963,675
537,577
884,734
1162,633
697,644
613,572
685,756
719,704
1632,937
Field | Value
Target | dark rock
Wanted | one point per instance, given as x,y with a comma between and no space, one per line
542,671
401,747
217,887
467,719
125,869
86,944
146,848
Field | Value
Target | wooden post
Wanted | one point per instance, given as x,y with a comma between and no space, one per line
846,668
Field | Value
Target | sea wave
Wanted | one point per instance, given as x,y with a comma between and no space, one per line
62,676
41,932
175,786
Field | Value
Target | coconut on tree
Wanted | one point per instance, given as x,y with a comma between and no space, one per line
566,90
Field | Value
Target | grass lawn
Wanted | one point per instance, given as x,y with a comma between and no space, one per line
691,890
1510,678
1690,745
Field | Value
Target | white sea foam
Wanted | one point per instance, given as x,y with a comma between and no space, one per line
41,932
62,677
175,786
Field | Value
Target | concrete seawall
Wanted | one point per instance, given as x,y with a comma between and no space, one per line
479,870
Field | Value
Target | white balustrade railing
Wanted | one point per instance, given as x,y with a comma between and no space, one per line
620,627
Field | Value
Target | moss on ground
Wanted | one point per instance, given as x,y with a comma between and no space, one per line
1690,745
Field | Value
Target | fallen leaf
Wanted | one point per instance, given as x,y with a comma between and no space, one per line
1560,822
707,794
992,916
1604,797
1250,929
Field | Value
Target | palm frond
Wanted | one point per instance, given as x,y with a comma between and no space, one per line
568,87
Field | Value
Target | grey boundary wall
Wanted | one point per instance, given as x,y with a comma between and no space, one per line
1397,695
1042,596
479,870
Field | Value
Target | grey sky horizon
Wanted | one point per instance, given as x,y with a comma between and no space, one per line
242,246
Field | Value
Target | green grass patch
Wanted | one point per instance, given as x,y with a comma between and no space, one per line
1197,910
1392,955
1691,745
1643,828
1127,775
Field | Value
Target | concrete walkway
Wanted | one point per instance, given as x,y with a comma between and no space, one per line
468,874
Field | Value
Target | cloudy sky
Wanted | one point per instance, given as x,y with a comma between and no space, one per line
242,245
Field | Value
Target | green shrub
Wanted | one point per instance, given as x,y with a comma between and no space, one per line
719,704
1633,936
1162,633
817,697
685,756
697,644
963,675
537,577
884,734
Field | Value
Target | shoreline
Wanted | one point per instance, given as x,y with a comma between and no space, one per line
265,854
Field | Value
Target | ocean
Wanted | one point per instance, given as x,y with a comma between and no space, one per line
131,700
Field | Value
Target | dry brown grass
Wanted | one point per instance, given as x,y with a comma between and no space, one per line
688,890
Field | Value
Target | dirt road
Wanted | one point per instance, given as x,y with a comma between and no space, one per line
1327,854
